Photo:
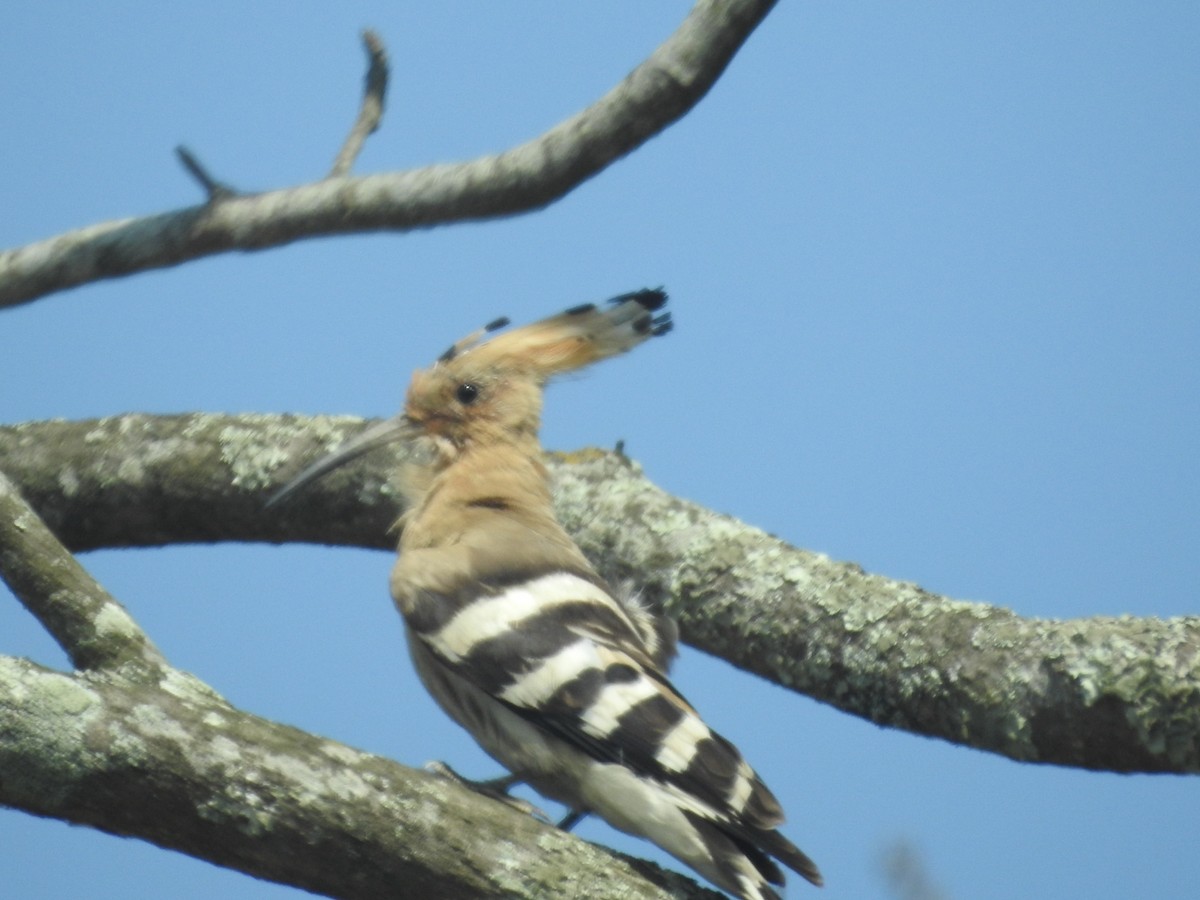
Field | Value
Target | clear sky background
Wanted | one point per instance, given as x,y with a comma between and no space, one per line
935,269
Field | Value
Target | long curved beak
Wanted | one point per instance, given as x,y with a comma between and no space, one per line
379,434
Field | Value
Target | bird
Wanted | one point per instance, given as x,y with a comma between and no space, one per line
560,678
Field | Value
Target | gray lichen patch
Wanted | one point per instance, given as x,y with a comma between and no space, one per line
244,809
312,783
122,425
68,481
250,460
99,433
258,445
341,754
221,752
153,722
45,718
61,695
113,622
187,687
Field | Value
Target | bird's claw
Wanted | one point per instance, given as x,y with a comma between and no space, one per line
495,788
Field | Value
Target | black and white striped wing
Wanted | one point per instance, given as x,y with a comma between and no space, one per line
564,655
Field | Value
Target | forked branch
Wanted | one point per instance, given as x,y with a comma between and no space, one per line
92,628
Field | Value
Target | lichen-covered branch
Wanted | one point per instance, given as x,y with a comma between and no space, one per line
655,94
1109,693
172,763
92,628
1120,694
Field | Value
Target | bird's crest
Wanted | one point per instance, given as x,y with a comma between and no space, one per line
567,341
458,394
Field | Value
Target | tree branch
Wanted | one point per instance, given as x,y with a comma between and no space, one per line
94,630
1120,694
172,763
659,91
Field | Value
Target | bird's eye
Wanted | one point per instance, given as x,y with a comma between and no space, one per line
467,393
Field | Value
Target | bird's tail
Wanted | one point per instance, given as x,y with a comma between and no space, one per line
743,860
775,844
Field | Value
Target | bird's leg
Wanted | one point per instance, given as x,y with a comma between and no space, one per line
496,788
572,818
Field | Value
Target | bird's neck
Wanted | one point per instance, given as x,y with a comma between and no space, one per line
498,478
500,472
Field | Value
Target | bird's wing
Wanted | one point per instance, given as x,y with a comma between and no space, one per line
562,652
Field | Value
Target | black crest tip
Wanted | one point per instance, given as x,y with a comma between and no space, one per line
649,299
655,326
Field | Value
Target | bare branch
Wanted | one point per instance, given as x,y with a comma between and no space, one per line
370,113
94,630
1120,694
172,763
659,91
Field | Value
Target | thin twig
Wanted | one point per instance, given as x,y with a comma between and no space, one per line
92,628
371,111
215,189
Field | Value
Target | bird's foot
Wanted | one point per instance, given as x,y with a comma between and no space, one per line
496,788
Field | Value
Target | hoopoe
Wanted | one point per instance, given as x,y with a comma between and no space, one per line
513,632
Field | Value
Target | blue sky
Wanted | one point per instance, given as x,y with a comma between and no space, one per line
935,276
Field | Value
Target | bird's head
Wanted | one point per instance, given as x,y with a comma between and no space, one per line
487,388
